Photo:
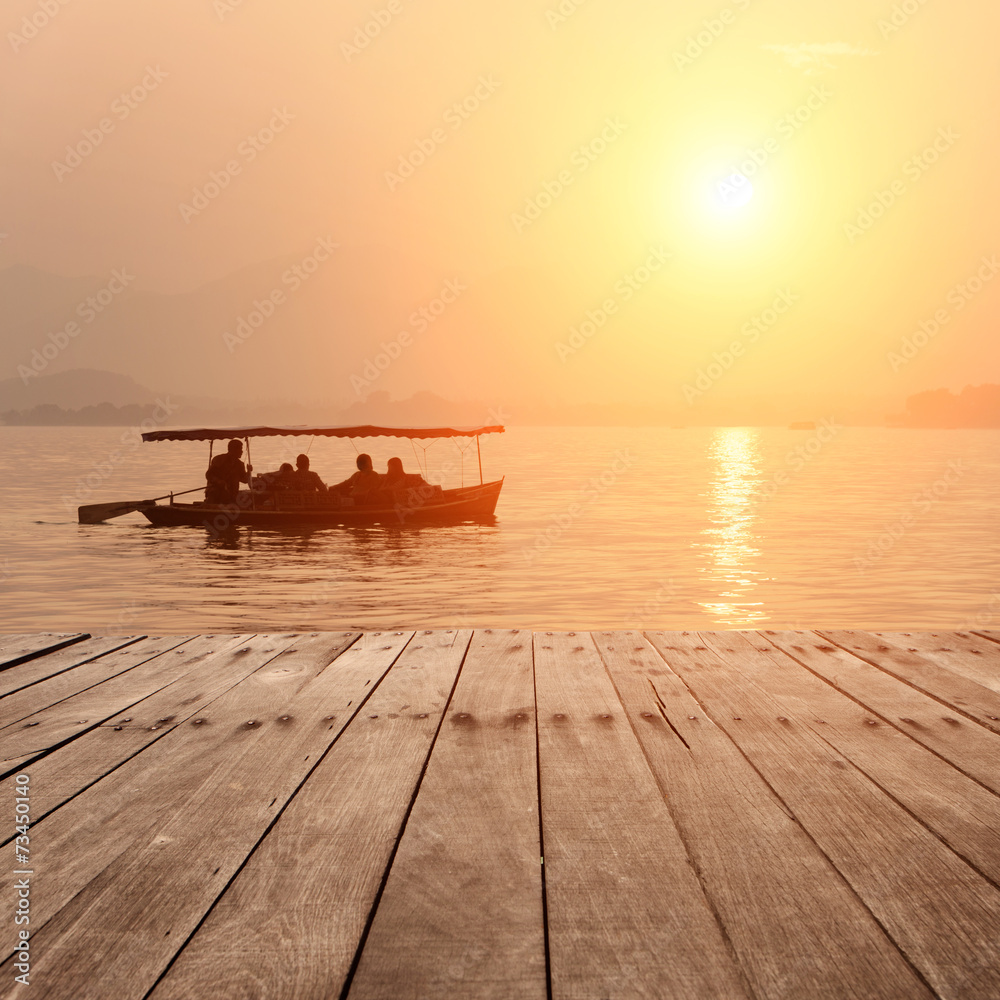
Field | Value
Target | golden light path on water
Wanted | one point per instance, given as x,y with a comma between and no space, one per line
731,508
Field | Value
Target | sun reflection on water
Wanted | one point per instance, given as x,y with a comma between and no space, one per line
730,540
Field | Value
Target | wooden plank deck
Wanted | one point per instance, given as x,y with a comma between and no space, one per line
502,814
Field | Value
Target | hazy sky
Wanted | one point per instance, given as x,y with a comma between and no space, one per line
759,196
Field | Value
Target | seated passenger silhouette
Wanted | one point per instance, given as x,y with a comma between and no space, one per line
283,479
225,473
396,479
363,482
303,479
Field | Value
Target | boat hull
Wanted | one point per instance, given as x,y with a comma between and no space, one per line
473,503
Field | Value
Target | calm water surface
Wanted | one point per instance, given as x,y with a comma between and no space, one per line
738,527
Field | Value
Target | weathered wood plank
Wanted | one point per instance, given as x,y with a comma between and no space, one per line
32,671
15,649
213,669
119,933
10,640
943,915
154,668
83,836
762,871
971,748
290,924
21,705
959,810
975,658
921,671
461,914
626,914
914,805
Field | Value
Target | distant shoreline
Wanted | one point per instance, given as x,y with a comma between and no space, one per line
974,408
135,420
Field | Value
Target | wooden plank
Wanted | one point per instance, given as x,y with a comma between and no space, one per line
122,930
15,649
461,914
33,671
21,705
83,836
959,810
16,763
923,672
796,927
944,916
12,640
975,658
987,633
68,770
290,924
626,914
152,668
968,746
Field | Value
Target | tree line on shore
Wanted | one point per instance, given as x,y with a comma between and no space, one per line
974,406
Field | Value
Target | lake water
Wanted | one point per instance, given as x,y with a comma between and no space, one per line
698,528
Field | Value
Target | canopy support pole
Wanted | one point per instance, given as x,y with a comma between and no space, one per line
479,455
253,500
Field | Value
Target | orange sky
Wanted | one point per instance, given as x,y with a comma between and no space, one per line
560,156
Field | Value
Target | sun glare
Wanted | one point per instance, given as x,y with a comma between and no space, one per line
722,200
732,191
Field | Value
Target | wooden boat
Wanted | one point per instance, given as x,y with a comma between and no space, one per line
304,510
263,507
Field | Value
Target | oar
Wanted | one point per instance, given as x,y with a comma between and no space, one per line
95,513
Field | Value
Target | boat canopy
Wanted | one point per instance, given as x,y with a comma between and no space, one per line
219,434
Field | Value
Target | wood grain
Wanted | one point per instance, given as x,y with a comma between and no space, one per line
921,671
157,891
153,669
71,768
461,914
761,870
975,658
18,648
971,748
290,924
766,816
37,669
959,810
626,915
90,830
943,916
23,705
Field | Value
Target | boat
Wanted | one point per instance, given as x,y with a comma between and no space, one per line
263,507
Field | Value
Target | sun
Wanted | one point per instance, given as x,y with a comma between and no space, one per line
722,195
720,202
732,191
